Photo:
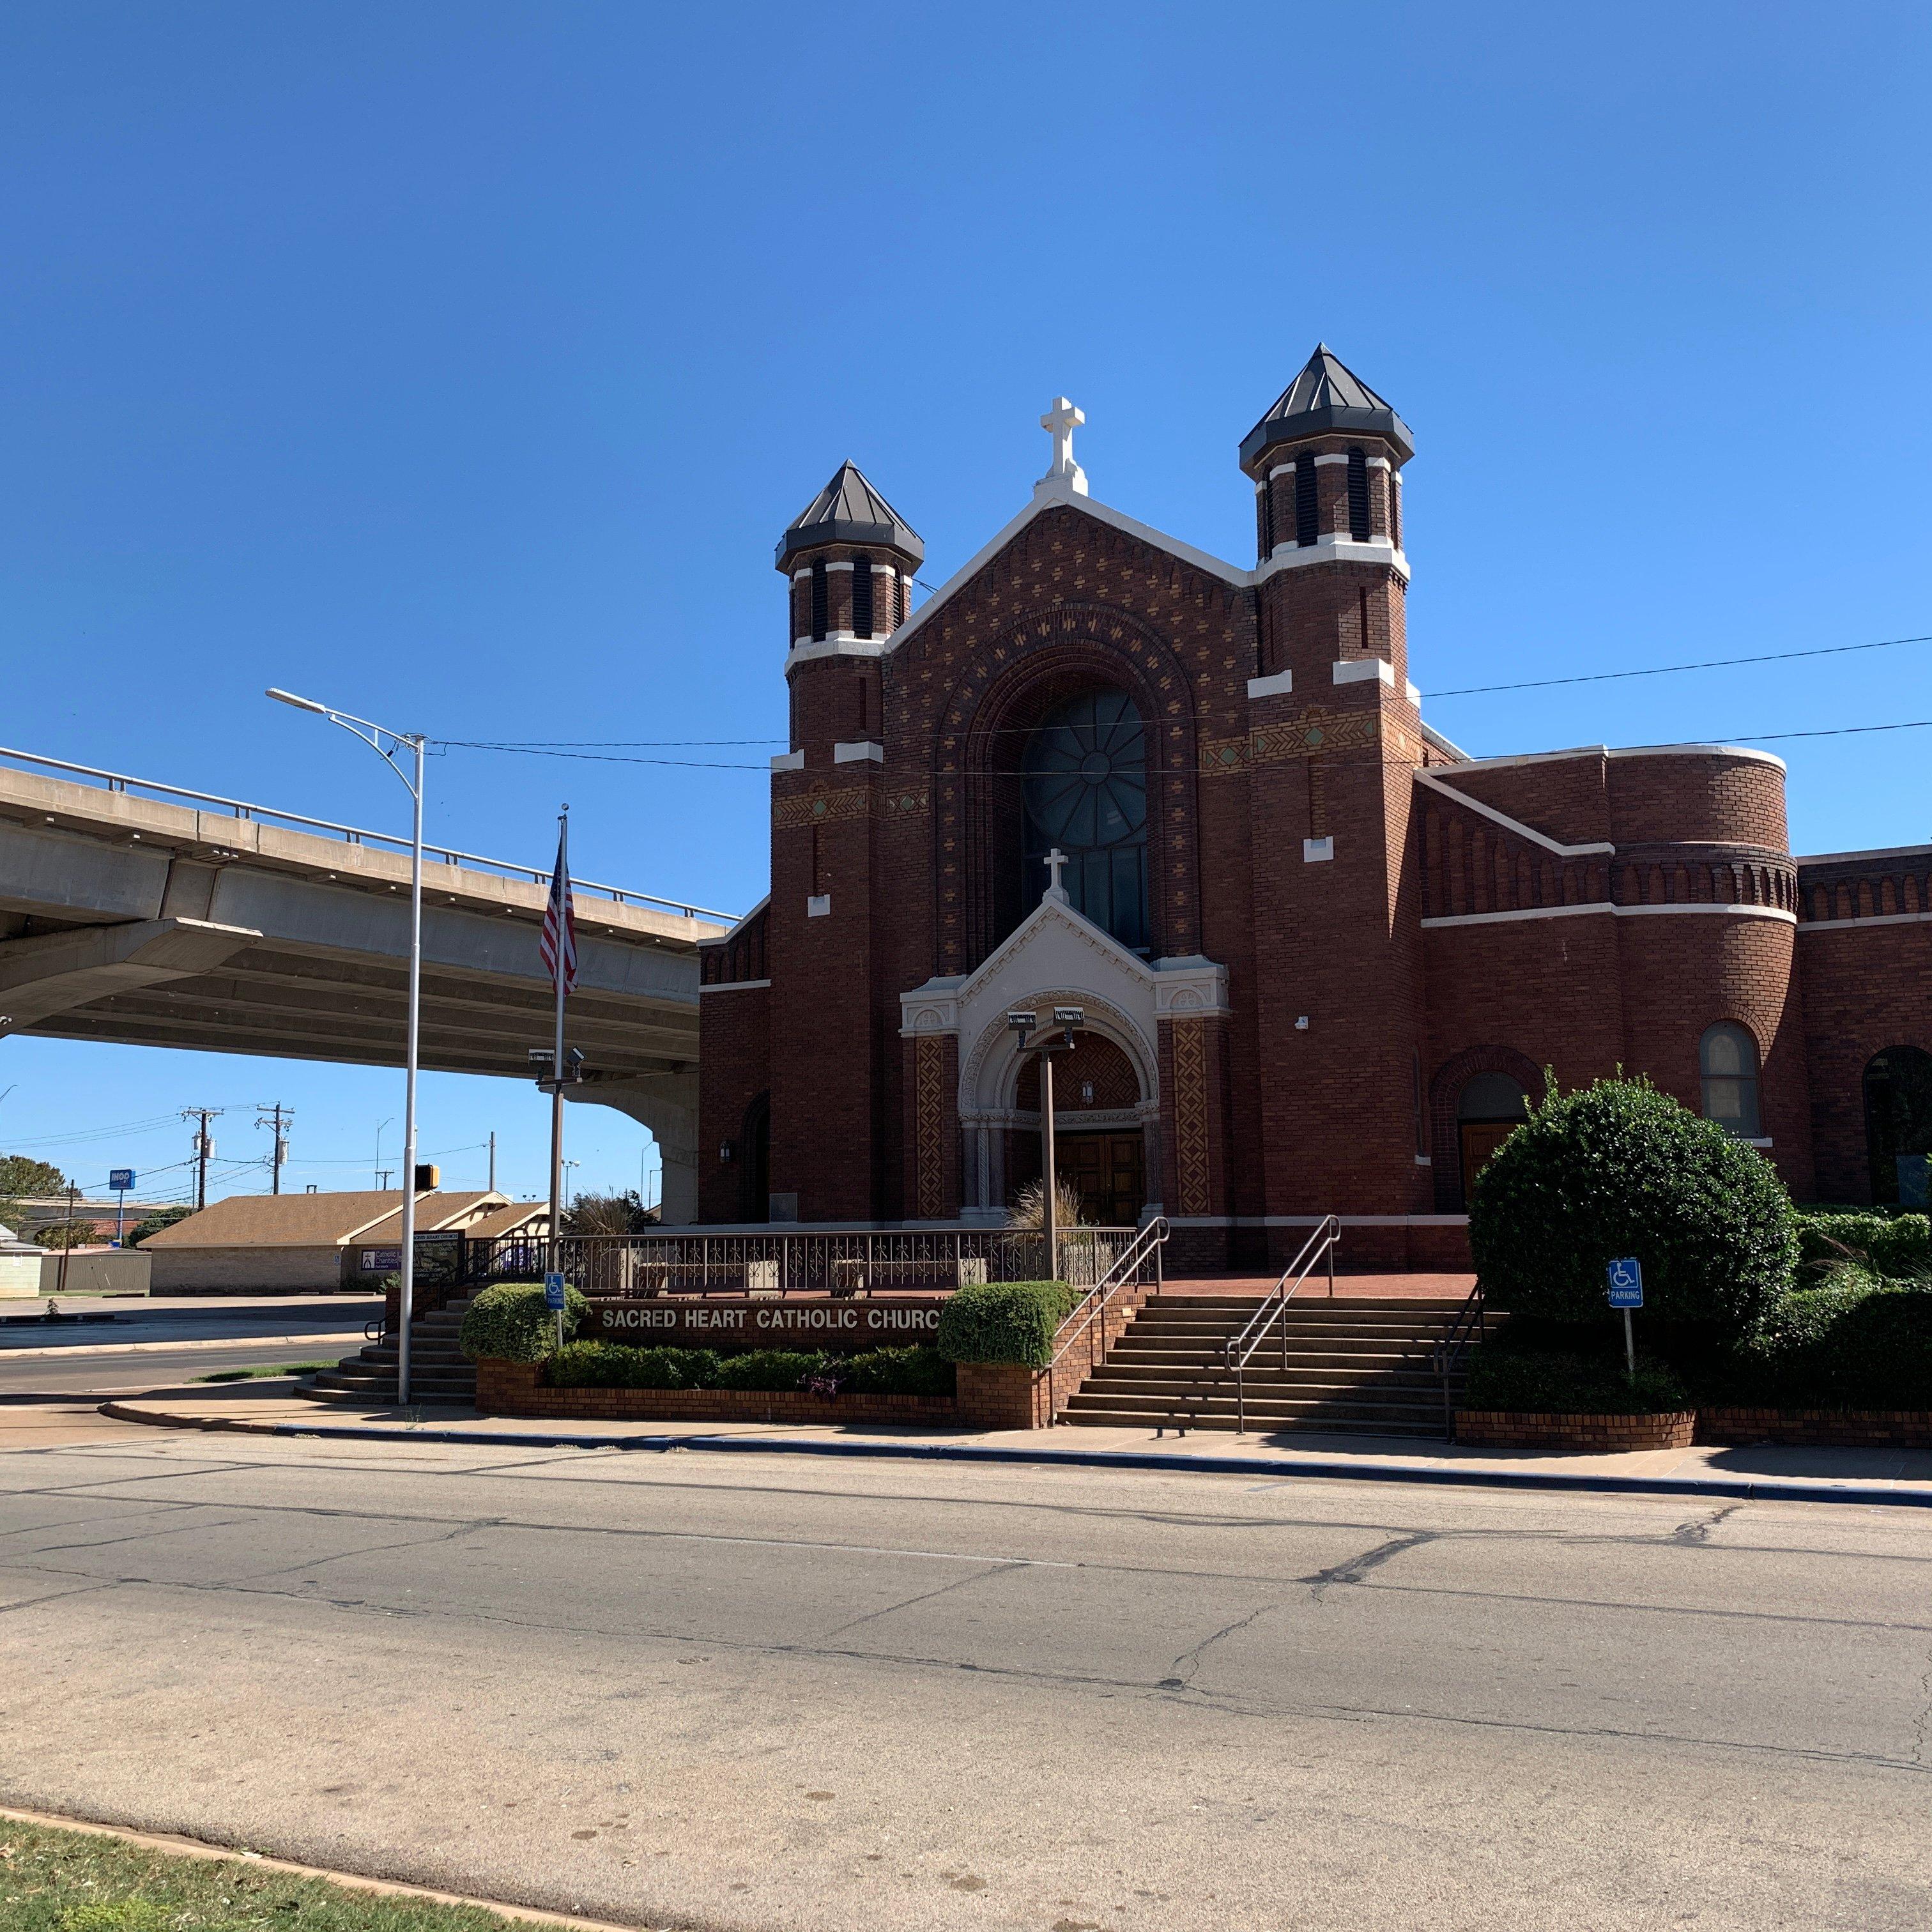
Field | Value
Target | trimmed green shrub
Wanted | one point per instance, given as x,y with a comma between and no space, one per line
775,1371
509,1323
1004,1322
1898,1246
616,1365
1621,1169
915,1371
1546,1381
1856,1342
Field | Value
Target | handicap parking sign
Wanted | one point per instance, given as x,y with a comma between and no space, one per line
552,1291
1626,1282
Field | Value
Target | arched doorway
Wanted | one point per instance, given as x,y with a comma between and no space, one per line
1085,793
755,1171
1898,1123
1489,1108
1099,1145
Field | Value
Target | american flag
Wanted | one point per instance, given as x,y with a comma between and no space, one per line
558,946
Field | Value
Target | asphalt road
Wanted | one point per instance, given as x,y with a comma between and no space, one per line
139,1320
763,1692
103,1371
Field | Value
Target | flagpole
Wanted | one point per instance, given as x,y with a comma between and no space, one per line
556,1078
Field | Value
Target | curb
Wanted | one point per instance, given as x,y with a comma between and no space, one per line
1748,1490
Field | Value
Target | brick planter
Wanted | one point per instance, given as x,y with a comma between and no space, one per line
1606,1434
512,1388
1821,1428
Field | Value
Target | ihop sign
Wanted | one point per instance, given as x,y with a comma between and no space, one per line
733,1322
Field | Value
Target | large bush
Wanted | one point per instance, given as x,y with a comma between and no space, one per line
1898,1245
1004,1322
153,1223
1621,1169
1545,1381
509,1323
1855,1342
915,1371
616,1365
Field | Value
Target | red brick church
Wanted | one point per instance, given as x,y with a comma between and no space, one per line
1323,954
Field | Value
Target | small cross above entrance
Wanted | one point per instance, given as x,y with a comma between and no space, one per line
1059,422
1055,862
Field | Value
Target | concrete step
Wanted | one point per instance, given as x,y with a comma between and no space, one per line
1273,1413
1272,1426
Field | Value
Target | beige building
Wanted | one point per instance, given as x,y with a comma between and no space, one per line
287,1244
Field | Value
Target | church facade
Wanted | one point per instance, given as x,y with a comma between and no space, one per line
1323,956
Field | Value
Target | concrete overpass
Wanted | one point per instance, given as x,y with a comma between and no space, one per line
156,916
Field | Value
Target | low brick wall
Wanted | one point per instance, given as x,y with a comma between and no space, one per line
1498,1428
1818,1428
512,1388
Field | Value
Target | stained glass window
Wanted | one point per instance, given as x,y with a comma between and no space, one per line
1085,787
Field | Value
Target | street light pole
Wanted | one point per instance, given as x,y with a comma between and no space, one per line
373,735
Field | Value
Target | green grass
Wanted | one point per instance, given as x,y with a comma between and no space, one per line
55,1881
263,1371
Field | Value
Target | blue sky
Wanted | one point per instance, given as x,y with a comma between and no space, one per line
463,363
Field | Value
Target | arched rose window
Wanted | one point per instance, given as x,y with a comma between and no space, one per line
1085,790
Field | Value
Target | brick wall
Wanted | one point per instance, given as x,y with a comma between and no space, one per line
244,1271
1602,1434
513,1388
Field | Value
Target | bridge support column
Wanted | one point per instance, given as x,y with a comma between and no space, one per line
667,1103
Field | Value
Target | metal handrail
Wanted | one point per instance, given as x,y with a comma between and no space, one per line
1464,1332
1238,1349
355,835
1092,1306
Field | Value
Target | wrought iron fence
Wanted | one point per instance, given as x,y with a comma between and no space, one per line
631,1266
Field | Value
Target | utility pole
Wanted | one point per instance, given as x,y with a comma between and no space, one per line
278,1117
204,1149
493,1160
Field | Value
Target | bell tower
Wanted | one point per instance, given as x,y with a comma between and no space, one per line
1334,736
849,558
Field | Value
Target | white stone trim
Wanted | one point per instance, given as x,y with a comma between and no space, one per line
1853,858
818,905
1516,825
1327,461
1616,912
1380,463
1314,850
1277,684
1280,469
839,644
1626,751
788,761
1877,918
1362,671
1332,547
735,986
857,752
738,924
1413,694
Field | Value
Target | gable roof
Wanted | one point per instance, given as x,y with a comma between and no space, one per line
448,1208
848,510
1327,394
312,1220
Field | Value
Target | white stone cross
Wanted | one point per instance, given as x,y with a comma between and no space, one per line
1059,422
1054,862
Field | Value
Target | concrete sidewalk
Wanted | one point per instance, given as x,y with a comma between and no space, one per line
1895,1476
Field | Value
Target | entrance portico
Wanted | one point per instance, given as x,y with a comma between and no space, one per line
1056,957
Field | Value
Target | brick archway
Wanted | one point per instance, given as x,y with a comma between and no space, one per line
1445,1089
1066,648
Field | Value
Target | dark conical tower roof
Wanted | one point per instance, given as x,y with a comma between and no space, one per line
1327,397
848,510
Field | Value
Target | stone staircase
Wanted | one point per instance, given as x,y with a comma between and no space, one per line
439,1372
1355,1365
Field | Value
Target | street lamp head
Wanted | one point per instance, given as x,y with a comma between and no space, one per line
1022,1022
1072,1016
300,704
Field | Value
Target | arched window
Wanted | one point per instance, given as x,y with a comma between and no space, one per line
1727,1059
862,596
818,605
1395,509
1489,1108
898,599
1358,495
1085,791
1265,505
1307,516
1898,1123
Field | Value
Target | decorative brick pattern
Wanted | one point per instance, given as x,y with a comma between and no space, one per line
929,1125
820,806
1190,1116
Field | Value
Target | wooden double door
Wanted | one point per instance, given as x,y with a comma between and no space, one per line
1108,1171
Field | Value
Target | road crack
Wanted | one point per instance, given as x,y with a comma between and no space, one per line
1356,1567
